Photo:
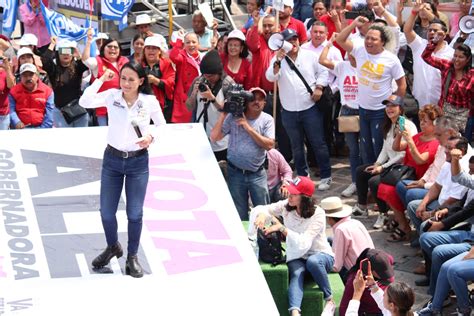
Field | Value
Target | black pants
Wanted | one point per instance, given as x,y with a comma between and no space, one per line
364,181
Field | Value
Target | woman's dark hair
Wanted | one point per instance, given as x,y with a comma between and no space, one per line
145,86
245,51
137,36
71,69
433,8
383,36
387,122
402,296
471,160
319,1
107,42
466,51
307,205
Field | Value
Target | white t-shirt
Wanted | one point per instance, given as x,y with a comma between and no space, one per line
347,83
426,77
449,188
375,74
212,115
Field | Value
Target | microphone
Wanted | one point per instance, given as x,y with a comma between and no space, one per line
137,129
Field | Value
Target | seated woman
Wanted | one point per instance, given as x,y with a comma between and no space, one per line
420,152
368,176
307,248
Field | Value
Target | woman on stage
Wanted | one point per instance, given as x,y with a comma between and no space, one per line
130,109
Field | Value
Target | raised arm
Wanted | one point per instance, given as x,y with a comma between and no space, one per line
343,38
410,23
87,49
91,98
323,58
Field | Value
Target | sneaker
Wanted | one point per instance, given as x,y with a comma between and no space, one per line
381,220
349,191
465,313
358,211
427,311
329,308
325,184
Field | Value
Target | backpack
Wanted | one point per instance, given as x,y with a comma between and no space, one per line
270,249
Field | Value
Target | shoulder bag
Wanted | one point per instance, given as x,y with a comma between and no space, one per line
270,249
72,111
397,172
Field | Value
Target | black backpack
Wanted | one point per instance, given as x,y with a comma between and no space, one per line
269,247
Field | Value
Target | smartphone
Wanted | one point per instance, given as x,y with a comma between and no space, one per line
365,267
401,123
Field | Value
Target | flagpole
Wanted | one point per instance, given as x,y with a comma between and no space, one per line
275,83
170,18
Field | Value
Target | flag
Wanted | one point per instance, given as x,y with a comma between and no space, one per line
61,27
116,10
10,8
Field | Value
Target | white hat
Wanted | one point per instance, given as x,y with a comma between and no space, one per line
28,39
236,34
157,40
334,208
143,19
101,35
28,67
289,3
24,51
66,44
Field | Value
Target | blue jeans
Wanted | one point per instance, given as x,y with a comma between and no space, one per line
4,122
59,120
408,195
319,265
411,210
371,133
469,128
310,123
102,120
242,184
441,246
135,173
352,141
454,274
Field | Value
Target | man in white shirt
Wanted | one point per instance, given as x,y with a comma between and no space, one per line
376,69
426,77
300,115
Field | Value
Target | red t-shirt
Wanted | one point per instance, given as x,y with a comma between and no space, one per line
243,76
298,26
431,147
4,108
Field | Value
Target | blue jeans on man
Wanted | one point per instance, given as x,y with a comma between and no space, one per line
319,265
310,123
371,134
411,210
115,171
242,183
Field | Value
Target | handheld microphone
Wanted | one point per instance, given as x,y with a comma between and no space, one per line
137,129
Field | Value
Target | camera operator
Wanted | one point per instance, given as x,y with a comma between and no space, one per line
251,133
206,97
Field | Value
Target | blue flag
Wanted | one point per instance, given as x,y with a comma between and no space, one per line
61,27
116,10
10,9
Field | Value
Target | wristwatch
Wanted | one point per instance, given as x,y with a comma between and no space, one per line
282,229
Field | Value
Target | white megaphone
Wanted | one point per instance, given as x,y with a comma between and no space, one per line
466,24
277,42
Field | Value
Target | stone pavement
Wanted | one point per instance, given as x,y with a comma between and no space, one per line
406,258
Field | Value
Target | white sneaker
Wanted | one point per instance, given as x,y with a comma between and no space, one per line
350,190
360,212
329,308
381,220
325,184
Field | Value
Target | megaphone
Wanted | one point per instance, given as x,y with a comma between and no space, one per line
466,24
277,42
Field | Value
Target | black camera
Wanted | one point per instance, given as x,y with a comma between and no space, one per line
202,87
236,100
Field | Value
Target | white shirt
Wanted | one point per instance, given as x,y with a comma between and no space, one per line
293,94
449,188
121,134
375,74
426,77
305,236
212,115
334,55
347,83
388,156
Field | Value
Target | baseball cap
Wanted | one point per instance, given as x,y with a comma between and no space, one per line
301,185
28,39
27,67
289,3
381,263
66,44
289,34
393,99
236,34
24,51
157,40
257,89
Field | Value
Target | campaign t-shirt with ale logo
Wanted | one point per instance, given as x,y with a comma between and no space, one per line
347,83
375,74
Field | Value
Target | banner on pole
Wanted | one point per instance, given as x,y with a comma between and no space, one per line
117,10
10,9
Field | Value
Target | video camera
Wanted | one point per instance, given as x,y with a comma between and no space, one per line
236,100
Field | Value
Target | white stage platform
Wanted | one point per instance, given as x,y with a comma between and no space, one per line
195,252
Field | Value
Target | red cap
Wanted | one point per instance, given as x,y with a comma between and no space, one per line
301,185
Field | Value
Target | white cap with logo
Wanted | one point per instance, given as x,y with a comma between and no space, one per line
28,67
